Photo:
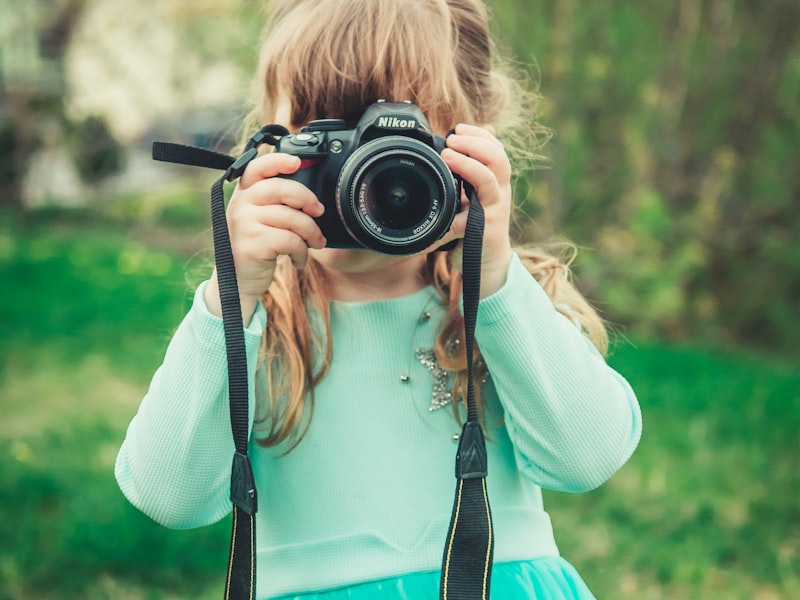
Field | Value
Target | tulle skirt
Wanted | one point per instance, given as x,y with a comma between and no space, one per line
549,578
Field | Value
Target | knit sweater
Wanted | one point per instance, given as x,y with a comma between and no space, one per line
367,493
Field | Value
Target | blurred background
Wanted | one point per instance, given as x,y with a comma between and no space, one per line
674,167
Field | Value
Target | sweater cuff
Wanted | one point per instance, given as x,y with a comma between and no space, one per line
520,290
210,325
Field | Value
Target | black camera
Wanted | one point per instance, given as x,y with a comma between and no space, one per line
391,190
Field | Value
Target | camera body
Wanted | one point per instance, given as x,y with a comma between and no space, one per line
383,184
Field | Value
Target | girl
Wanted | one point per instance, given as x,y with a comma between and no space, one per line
353,354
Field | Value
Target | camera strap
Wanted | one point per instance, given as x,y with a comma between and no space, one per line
240,582
469,547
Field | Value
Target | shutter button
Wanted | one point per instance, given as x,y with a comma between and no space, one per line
305,139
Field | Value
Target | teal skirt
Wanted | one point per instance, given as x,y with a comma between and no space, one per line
549,578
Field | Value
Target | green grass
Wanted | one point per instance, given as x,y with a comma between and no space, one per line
706,508
87,314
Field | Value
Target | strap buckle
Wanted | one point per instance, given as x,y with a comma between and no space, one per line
240,164
265,135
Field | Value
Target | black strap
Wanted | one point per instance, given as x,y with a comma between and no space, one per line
468,553
469,549
191,155
240,581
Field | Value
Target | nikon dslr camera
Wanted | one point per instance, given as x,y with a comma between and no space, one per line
383,184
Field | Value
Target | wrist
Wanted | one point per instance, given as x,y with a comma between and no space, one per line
211,297
493,274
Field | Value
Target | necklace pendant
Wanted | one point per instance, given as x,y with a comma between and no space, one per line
439,401
441,395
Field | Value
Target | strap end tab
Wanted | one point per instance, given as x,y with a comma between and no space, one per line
243,485
471,459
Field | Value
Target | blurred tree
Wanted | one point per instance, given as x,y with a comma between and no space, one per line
192,72
96,152
35,37
675,158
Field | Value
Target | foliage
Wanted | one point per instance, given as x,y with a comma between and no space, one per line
674,160
8,171
35,39
97,154
700,511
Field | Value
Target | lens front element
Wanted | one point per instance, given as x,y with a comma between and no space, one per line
396,195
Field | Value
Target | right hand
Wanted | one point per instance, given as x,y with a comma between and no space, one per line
268,216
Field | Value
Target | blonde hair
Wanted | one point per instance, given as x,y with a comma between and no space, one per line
332,59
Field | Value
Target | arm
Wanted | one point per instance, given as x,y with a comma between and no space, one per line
175,462
572,419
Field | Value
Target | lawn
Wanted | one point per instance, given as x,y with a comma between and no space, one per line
706,508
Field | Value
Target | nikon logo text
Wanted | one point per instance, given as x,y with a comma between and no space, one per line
397,123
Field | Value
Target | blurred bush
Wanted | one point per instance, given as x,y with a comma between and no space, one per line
674,162
675,159
97,154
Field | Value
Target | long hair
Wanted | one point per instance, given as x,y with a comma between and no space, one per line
332,59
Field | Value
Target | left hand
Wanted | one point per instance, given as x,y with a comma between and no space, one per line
478,157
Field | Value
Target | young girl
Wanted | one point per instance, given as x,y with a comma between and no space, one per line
356,358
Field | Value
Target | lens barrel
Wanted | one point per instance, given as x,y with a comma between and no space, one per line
395,195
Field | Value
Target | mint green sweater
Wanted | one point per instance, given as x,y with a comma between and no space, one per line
367,493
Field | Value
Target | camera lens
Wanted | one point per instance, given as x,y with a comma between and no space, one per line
396,195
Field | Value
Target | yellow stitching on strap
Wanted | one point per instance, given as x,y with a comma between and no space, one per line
230,564
452,535
489,541
252,556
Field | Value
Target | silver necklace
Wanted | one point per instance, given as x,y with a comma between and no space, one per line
441,378
441,394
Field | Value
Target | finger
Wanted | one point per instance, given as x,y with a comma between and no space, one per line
268,165
459,226
298,254
484,151
485,132
282,217
457,230
479,175
294,194
272,243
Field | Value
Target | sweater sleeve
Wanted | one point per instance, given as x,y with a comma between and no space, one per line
174,464
572,419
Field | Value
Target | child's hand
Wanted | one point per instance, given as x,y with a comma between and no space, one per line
267,217
479,158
